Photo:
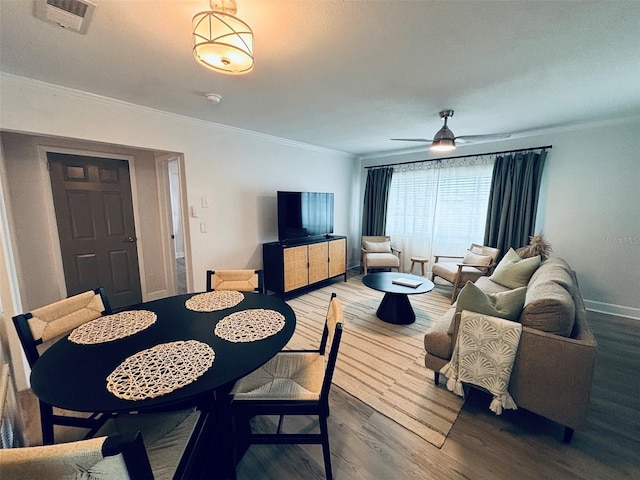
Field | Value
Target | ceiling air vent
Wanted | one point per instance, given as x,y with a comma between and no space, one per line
71,14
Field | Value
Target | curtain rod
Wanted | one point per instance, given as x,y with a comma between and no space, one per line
545,147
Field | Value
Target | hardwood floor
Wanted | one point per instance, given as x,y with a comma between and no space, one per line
366,445
481,445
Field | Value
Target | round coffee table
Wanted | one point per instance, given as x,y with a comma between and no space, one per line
395,306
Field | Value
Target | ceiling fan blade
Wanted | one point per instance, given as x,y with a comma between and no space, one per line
480,138
412,140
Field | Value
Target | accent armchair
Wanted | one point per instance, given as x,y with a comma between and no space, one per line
377,252
478,261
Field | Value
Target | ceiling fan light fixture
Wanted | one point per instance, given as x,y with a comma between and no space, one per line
221,41
443,145
445,139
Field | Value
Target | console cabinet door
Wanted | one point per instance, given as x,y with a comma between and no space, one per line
295,267
318,262
337,257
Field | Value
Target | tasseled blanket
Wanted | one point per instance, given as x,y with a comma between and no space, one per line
483,355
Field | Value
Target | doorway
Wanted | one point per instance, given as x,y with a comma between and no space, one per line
94,213
176,222
175,243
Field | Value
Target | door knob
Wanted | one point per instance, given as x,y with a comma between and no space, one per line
131,239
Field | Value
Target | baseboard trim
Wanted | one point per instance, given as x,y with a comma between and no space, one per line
611,309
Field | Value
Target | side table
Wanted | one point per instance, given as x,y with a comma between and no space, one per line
421,260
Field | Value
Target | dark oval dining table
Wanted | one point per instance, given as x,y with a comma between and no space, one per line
74,376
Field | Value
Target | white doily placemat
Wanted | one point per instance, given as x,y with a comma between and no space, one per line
160,370
210,301
112,327
249,325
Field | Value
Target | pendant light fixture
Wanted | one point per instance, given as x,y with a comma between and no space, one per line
221,41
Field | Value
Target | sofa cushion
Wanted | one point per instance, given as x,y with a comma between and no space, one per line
437,340
557,270
377,247
507,305
561,262
488,286
556,274
513,271
550,308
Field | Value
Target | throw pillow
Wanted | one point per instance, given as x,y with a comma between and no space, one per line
475,259
377,247
507,305
513,271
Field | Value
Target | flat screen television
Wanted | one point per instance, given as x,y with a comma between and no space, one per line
303,215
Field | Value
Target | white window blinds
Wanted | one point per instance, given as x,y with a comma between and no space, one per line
439,208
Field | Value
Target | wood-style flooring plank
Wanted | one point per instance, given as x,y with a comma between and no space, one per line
481,445
366,445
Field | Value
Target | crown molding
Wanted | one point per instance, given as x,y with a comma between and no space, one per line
534,132
52,89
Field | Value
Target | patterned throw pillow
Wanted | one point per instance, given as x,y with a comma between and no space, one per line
513,271
377,247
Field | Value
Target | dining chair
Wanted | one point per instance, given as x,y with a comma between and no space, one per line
175,440
294,382
111,458
478,261
240,280
40,328
136,454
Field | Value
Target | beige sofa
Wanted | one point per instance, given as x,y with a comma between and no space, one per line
554,365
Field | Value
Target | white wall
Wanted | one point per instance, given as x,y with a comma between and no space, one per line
36,245
236,172
589,208
591,211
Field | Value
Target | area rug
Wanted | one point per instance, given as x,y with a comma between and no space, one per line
379,363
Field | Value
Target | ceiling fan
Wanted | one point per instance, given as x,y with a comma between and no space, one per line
445,140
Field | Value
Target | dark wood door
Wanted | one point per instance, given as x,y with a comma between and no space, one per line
94,212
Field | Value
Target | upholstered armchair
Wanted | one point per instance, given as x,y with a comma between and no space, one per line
377,252
477,262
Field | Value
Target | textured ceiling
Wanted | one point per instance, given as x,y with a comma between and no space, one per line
350,75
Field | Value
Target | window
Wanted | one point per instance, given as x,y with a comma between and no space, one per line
439,208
